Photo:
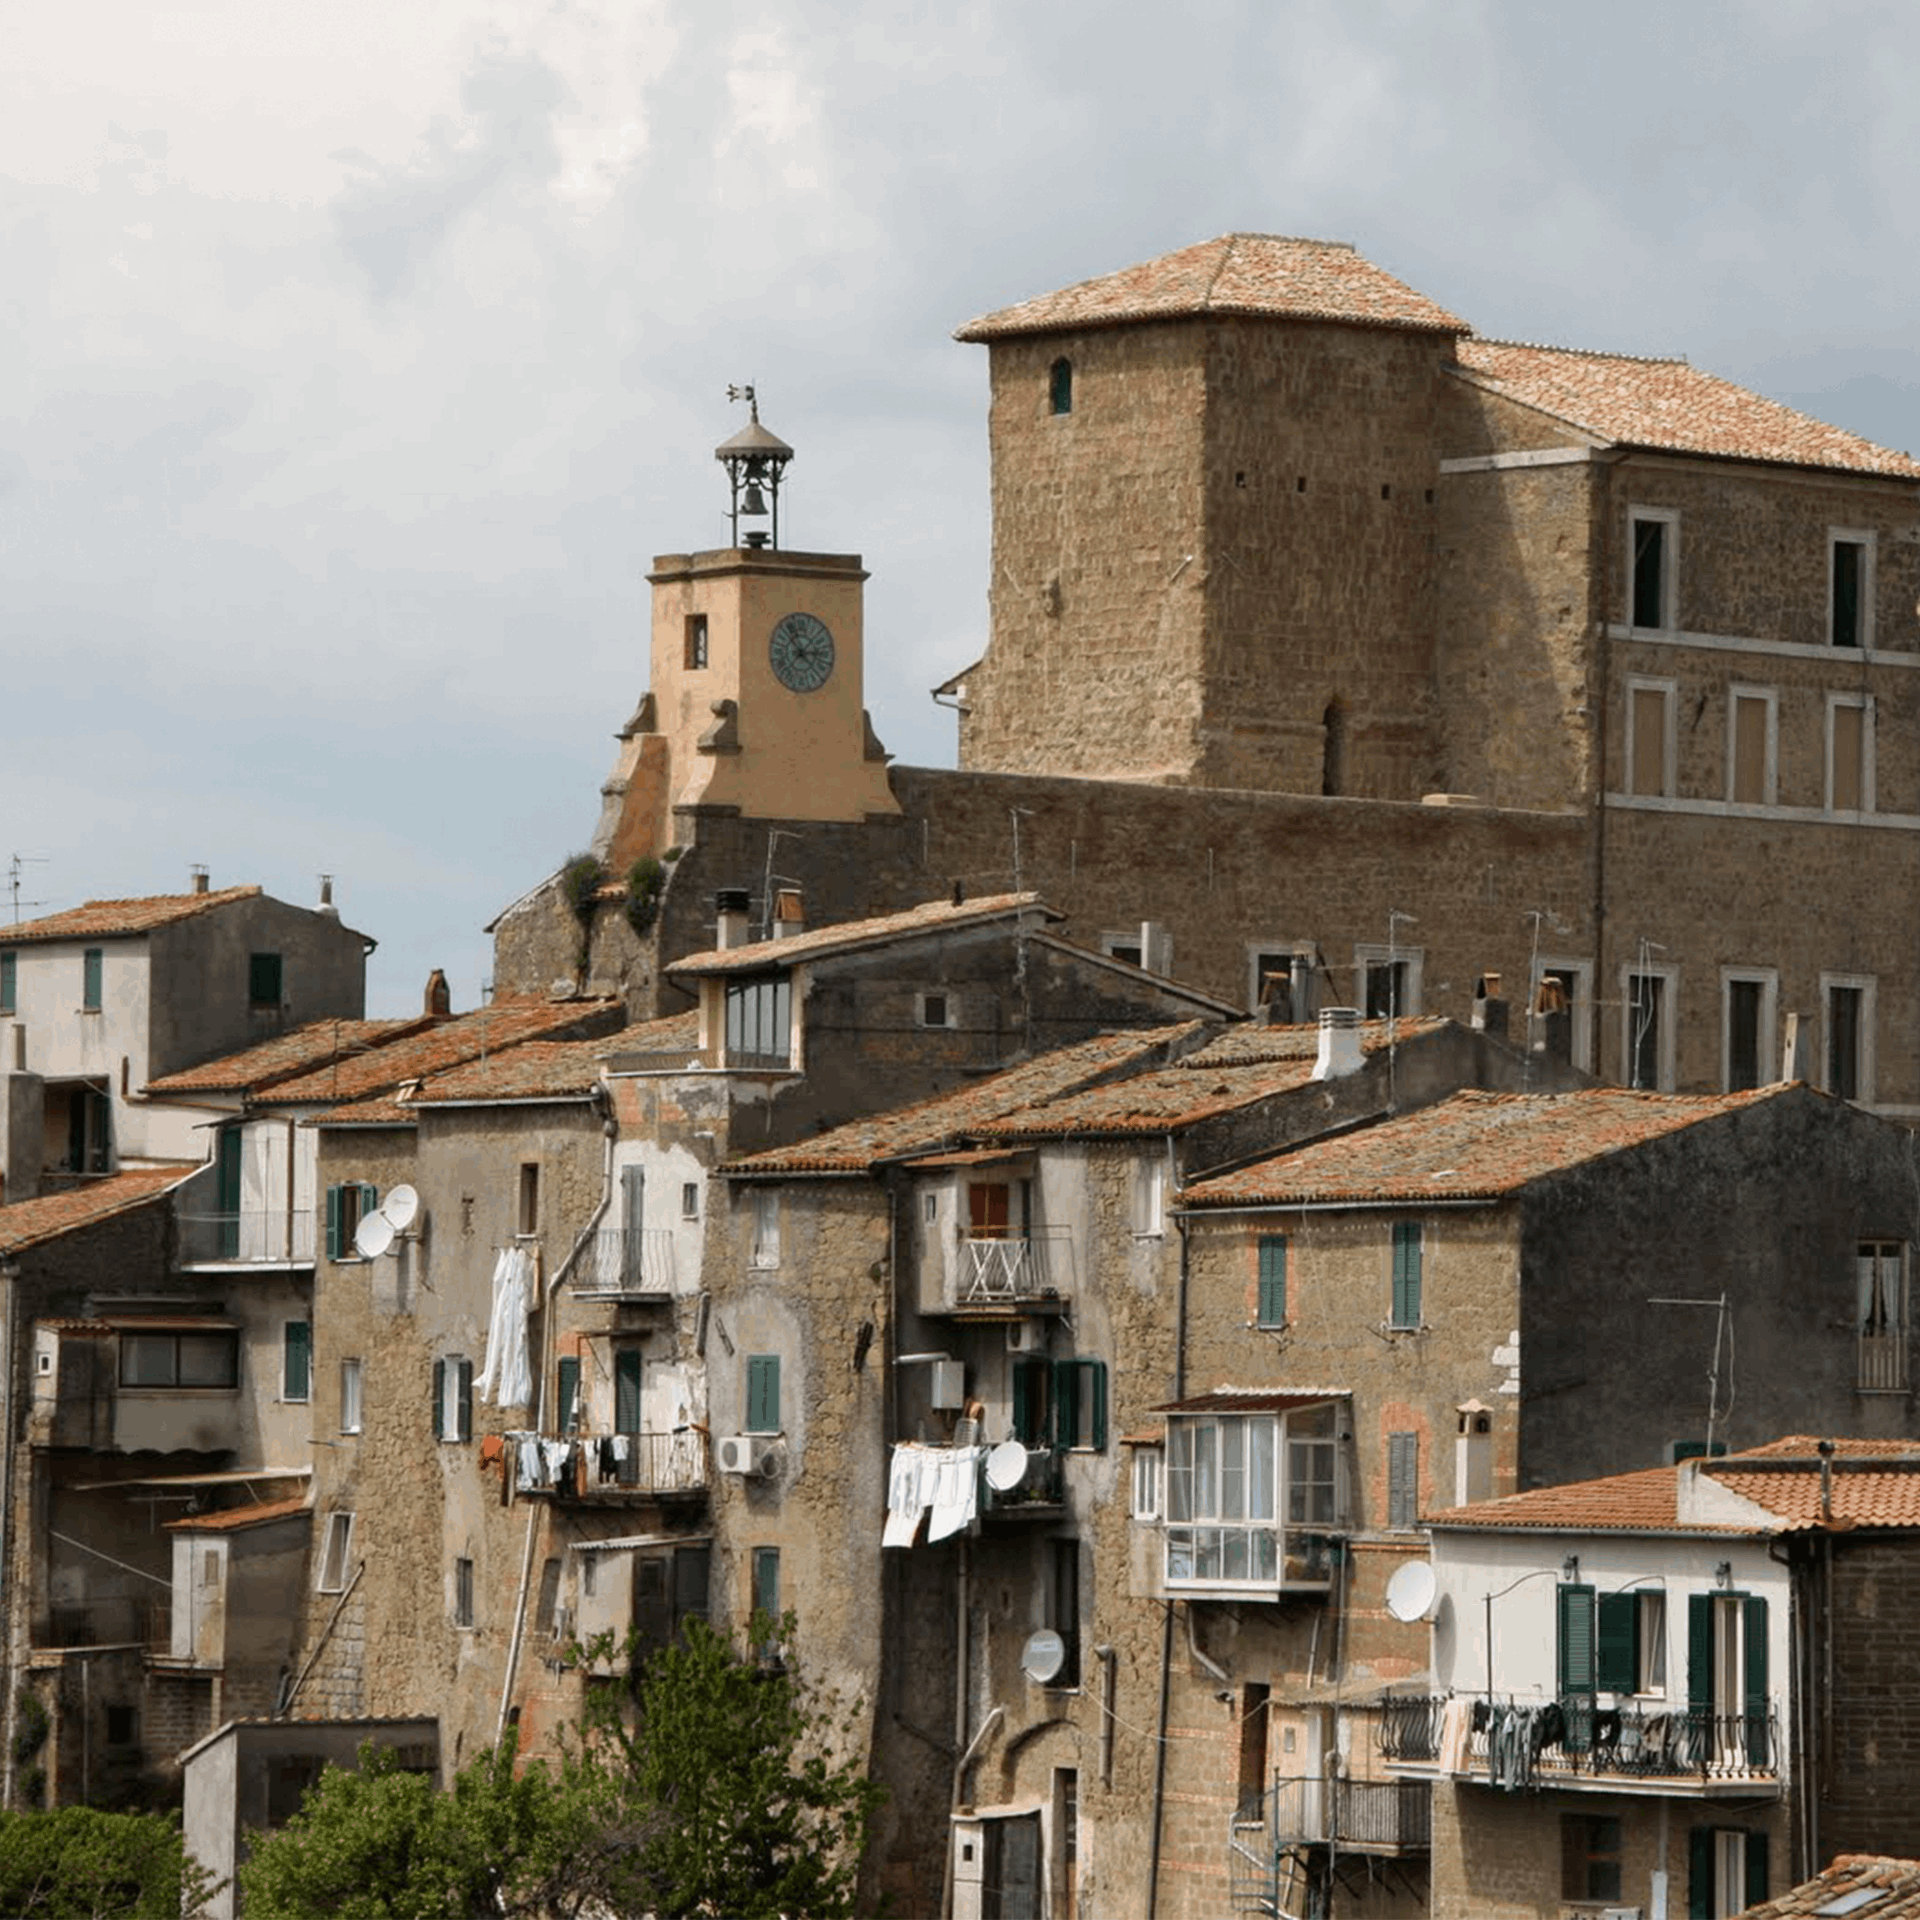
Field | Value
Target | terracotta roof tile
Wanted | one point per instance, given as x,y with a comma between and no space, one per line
1894,1883
1473,1146
1260,274
27,1222
1640,1502
1670,405
488,1030
1250,1041
935,1123
303,1050
234,1519
937,916
383,1110
557,1069
111,919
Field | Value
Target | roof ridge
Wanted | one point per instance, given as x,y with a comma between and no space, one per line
1594,353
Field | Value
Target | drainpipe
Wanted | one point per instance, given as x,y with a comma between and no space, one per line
1166,1623
10,1279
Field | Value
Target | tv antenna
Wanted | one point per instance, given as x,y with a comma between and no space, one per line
14,876
1722,1336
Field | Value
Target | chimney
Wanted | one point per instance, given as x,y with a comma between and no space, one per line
439,1000
199,878
326,905
730,907
1156,947
1339,1043
789,914
1796,1047
1489,1006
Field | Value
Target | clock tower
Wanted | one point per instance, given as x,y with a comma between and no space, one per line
755,700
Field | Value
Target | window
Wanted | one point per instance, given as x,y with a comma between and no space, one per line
689,1200
453,1399
463,1592
759,1020
935,1010
123,1726
263,980
349,1396
1150,1197
1124,946
1849,1001
1408,1262
527,1213
1149,1466
9,982
765,1243
1271,1310
1575,1665
1630,1646
1653,554
1652,743
566,1400
1849,588
1032,1389
1403,1480
296,1360
1560,1018
989,1209
766,1601
1063,1608
1281,976
1590,1852
1647,1034
1880,1267
668,1590
1080,1404
627,1399
91,967
347,1205
334,1552
1753,746
1726,1872
1747,1029
763,1393
696,642
1727,1679
1850,754
1388,981
1060,387
179,1359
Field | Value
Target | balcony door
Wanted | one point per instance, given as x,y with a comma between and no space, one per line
633,1198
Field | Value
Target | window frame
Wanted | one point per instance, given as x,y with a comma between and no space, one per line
1060,388
1407,1276
1863,538
1767,1036
1403,1481
1863,704
763,1242
174,1336
1668,519
1866,1063
452,1399
758,1007
694,655
1367,955
463,1583
264,970
1271,1255
1579,1008
1147,1480
93,979
296,1362
1668,691
526,1201
1591,1871
1665,1039
341,1229
352,1394
936,1008
760,1395
1768,700
689,1199
331,1574
1150,1196
9,981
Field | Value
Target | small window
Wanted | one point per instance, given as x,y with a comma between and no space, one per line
1150,1198
1748,1042
263,980
1753,747
759,1016
930,1207
348,1204
1850,753
463,1592
566,1402
1590,1856
1560,1016
1850,589
186,1360
689,1200
453,1399
696,653
335,1552
349,1396
1648,1032
935,1010
1653,552
1652,743
1849,1001
123,1726
1272,1308
9,982
763,1393
296,1360
92,966
1060,386
1387,981
765,1245
766,1600
1063,1611
1678,1450
1726,1871
527,1217
1650,1664
1403,1480
1408,1276
1149,1470
1080,1404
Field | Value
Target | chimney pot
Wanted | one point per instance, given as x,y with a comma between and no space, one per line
1490,1011
789,913
730,908
1340,1053
199,878
439,998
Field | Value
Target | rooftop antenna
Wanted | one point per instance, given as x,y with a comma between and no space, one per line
1020,980
774,836
1722,1332
1394,918
14,865
1537,915
1643,1007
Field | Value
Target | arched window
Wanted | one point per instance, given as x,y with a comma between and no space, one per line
1060,386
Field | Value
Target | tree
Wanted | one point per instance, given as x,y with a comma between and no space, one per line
78,1863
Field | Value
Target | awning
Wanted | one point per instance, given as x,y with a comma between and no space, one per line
627,1542
1255,1400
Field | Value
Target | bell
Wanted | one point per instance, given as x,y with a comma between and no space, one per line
753,500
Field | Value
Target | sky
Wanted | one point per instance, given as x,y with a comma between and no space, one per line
356,359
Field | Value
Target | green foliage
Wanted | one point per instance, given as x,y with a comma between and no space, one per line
81,1864
581,877
645,879
30,1723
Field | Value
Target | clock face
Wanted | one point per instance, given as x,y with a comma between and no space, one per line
801,651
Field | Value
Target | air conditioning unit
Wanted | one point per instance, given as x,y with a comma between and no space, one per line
748,1453
1025,1336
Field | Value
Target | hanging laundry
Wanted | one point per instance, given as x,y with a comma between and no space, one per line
506,1375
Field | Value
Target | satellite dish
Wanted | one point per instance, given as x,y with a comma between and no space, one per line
1043,1656
373,1236
1412,1592
400,1208
1006,1466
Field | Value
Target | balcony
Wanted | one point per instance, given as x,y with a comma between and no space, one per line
1031,1272
1039,1496
1883,1362
121,1622
1249,1561
1575,1743
608,1468
1385,1818
269,1237
626,1263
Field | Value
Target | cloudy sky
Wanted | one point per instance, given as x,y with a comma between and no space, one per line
355,359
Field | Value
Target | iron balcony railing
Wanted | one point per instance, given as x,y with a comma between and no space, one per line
626,1263
610,1465
267,1236
1027,1266
1409,1727
1382,1816
1042,1486
125,1622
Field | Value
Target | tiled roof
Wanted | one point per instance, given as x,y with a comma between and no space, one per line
488,1030
1670,405
27,1222
937,916
1472,1146
555,1069
1893,1884
954,1116
111,919
1250,1041
1639,1502
382,1110
235,1519
1260,274
301,1051
1254,1399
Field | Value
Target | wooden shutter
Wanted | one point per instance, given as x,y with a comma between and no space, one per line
763,1393
1403,1479
1700,1870
463,1386
335,1239
626,1391
1753,1702
297,1372
1406,1273
567,1400
690,1581
1648,771
1066,1403
1576,1639
1756,1887
1748,757
1618,1666
989,1209
766,1582
91,969
1272,1311
1849,759
1097,1417
9,981
439,1399
1700,1664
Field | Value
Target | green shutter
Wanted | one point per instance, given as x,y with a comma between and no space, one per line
568,1399
298,1371
1406,1273
9,981
1097,1381
90,982
1273,1280
690,1579
626,1391
1754,1689
1700,1662
1576,1639
439,1399
1066,1403
1756,1889
335,1249
1700,1872
1022,1402
463,1386
763,1393
766,1582
1619,1661
369,1198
